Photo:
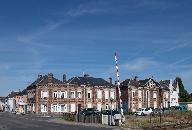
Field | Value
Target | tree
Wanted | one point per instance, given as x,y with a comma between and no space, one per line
184,96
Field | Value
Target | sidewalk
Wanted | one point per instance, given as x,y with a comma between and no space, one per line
62,121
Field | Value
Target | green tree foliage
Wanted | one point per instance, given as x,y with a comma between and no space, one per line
184,96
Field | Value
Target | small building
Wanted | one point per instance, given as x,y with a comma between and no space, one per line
188,105
21,102
10,102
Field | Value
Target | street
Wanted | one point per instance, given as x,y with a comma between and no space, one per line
10,121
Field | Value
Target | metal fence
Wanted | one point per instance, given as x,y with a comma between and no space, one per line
160,120
83,118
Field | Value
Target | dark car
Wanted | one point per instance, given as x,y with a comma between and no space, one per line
88,111
108,112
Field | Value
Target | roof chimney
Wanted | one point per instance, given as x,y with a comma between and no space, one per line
136,78
86,75
64,78
50,78
110,80
39,76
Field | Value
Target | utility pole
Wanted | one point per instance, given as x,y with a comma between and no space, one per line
118,88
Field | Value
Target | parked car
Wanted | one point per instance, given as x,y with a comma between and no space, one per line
87,111
181,108
140,112
108,112
143,111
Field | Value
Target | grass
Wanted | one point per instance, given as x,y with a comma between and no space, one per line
169,119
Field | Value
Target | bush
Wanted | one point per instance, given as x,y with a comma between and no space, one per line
68,117
129,113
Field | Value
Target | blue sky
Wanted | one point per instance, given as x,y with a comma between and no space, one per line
151,37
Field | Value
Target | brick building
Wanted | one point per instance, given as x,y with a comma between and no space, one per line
143,94
49,95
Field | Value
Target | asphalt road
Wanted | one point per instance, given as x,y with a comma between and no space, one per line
18,122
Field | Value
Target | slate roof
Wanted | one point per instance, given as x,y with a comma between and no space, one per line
43,80
86,80
137,83
164,84
125,82
174,85
2,99
12,94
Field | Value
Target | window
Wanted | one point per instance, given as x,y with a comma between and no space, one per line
99,94
55,94
106,106
79,94
133,94
58,94
106,94
62,108
72,95
154,95
72,107
55,108
89,95
43,108
140,94
62,95
112,94
44,94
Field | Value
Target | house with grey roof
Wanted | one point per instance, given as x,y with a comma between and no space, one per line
143,94
48,95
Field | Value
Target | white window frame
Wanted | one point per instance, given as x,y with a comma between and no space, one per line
112,94
99,94
79,95
73,94
154,94
55,94
62,110
62,95
106,94
89,92
72,107
43,108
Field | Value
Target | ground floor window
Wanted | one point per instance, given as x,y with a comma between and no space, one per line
43,108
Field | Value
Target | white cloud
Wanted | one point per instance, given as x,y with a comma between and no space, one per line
138,64
179,44
30,39
180,61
